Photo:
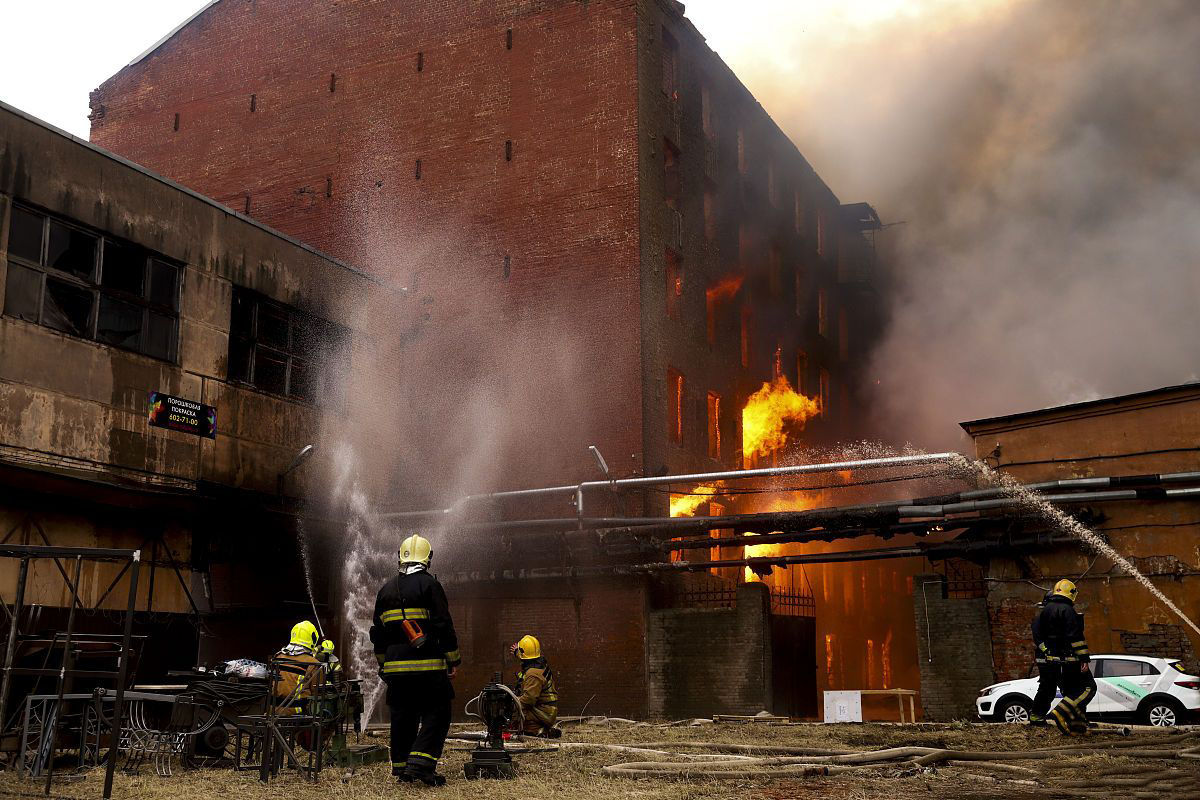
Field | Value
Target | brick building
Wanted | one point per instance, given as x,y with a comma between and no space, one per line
596,219
116,283
1132,440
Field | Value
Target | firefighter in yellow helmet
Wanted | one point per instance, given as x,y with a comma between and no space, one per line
418,654
1058,638
536,691
298,667
333,664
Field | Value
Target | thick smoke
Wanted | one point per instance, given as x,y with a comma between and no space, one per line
1042,158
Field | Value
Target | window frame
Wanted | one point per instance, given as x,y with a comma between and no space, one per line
292,353
94,283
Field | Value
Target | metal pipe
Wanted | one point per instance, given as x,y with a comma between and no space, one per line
987,505
114,742
10,647
66,666
664,480
820,535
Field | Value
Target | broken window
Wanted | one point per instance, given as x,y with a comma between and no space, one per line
745,337
714,425
671,182
825,391
822,313
710,214
675,406
674,271
88,284
282,350
670,65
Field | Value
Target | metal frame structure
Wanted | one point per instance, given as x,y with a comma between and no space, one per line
27,553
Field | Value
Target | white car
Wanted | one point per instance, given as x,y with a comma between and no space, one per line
1156,691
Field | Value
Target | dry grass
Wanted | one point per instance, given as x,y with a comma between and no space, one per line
575,773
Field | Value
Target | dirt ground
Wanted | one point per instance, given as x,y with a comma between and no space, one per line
575,771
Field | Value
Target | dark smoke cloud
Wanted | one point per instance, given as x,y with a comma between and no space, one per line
1044,158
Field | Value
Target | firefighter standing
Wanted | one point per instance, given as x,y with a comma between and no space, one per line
298,667
538,695
1058,636
418,654
1048,672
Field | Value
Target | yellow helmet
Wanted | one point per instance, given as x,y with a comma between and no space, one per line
305,634
529,647
1067,589
415,550
327,645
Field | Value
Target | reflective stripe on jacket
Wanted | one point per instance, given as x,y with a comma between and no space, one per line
419,597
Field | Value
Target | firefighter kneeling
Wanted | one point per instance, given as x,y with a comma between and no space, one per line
535,689
418,654
1063,657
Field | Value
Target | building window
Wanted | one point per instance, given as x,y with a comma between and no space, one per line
799,291
706,120
714,426
843,336
775,267
670,65
824,389
741,151
802,372
710,215
671,187
87,284
675,406
822,313
777,364
674,271
745,337
281,350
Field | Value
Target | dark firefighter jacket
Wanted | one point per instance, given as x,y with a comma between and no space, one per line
415,596
538,694
1058,632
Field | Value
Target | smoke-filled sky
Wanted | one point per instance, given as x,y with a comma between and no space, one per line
1042,155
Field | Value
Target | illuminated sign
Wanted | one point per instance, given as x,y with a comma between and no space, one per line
177,414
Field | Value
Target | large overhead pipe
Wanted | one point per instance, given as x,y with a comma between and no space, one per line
579,489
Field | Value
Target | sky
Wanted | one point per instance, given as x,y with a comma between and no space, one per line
55,52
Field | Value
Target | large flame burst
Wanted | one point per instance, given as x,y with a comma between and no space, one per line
767,414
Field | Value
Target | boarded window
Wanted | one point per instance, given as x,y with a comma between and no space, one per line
714,425
675,406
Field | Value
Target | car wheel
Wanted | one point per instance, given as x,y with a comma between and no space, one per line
1162,713
1015,711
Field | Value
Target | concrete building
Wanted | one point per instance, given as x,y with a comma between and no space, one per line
116,283
987,606
598,223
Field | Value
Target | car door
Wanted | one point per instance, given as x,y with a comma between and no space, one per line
1124,682
1105,701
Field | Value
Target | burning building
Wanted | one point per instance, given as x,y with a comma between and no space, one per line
607,240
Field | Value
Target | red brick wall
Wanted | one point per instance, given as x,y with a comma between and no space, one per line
593,633
337,168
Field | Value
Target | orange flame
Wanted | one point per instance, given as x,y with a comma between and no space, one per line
724,289
685,505
768,412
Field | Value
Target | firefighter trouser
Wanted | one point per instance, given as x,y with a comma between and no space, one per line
540,719
420,722
1048,674
1078,689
